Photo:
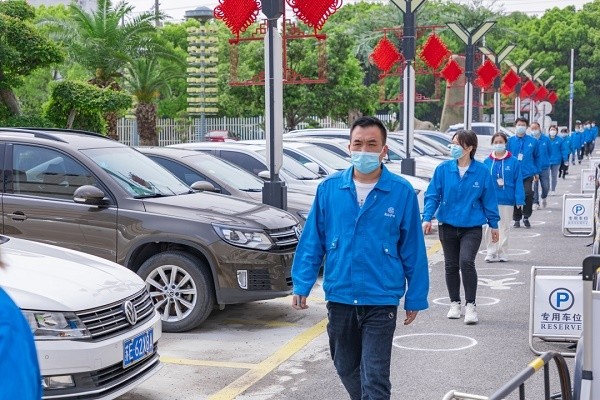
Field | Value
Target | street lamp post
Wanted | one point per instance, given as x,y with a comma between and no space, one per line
497,59
532,78
519,69
544,120
409,8
470,38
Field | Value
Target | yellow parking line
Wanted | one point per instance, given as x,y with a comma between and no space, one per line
204,363
265,367
270,324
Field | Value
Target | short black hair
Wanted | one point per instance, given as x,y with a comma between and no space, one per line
367,121
467,138
521,119
499,134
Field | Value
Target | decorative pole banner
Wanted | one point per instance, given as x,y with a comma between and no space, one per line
527,89
452,71
486,74
510,81
385,55
552,97
434,51
314,13
238,15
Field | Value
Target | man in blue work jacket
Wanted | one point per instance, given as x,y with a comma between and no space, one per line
526,149
366,222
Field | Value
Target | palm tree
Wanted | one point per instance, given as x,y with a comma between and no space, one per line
147,80
105,41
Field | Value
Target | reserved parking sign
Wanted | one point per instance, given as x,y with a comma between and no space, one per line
578,213
558,306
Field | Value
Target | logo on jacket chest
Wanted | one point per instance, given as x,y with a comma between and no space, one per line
391,213
476,185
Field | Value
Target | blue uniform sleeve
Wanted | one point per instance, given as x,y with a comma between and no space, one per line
489,201
519,188
311,250
565,150
536,158
433,195
413,256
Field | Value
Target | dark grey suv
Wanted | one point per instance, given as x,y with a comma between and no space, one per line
194,250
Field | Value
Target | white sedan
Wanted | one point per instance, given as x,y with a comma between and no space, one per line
94,325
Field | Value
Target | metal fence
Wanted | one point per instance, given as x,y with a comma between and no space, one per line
173,131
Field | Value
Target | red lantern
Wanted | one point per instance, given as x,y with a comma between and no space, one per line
486,74
527,89
511,79
385,55
553,97
541,94
314,13
452,71
434,51
238,15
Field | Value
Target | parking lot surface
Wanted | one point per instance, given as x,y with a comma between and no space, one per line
267,350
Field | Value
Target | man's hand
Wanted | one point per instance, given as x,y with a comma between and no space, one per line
536,178
495,235
410,317
299,302
426,227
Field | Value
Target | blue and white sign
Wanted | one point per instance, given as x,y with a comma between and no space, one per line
588,180
578,213
558,306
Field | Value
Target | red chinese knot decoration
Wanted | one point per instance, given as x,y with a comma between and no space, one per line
541,94
385,55
527,89
238,15
510,80
314,13
553,97
452,71
506,90
486,74
434,51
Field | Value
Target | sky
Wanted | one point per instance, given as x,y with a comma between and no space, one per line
177,8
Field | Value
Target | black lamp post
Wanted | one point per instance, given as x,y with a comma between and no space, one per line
497,59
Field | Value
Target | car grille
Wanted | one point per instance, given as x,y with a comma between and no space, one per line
284,238
110,320
259,279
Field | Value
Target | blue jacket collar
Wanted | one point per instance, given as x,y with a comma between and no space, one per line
384,183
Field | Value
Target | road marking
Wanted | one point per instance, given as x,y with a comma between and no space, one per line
205,363
445,301
261,370
499,284
509,272
472,342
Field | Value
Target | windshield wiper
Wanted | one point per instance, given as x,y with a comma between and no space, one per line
251,190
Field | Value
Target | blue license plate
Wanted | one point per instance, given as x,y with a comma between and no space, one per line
138,347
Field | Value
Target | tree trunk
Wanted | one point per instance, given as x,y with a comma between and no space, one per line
145,114
71,118
10,100
111,119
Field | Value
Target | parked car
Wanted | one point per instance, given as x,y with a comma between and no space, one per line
195,251
253,158
221,177
335,145
95,328
480,128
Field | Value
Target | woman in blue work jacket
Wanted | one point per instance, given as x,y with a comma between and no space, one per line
463,194
505,171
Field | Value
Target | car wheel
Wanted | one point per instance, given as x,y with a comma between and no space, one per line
181,288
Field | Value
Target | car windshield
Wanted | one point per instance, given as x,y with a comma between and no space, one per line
137,174
293,167
326,157
226,172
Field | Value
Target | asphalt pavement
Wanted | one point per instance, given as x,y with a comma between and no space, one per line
265,350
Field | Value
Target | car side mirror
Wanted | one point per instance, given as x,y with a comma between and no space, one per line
90,195
266,175
313,167
203,186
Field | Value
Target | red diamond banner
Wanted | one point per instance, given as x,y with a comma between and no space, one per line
314,13
385,55
452,71
486,74
541,94
527,89
511,79
505,90
553,97
238,15
434,52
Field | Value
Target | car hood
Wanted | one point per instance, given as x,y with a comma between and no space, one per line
215,208
44,277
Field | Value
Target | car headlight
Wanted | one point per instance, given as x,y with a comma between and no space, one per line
303,215
49,325
244,237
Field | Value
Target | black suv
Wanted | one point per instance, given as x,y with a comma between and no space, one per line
195,250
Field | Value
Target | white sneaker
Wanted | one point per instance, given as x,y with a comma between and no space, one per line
490,258
536,206
454,312
471,314
502,259
544,203
552,193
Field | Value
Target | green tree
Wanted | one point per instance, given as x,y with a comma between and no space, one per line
23,49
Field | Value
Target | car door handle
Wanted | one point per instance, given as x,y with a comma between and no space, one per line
18,216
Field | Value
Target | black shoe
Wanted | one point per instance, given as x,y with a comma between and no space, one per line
517,224
526,223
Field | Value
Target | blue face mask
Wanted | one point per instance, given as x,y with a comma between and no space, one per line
456,151
500,147
520,130
365,162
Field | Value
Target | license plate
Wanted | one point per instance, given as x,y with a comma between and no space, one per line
138,347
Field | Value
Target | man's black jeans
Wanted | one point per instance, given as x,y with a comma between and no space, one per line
527,209
360,341
460,247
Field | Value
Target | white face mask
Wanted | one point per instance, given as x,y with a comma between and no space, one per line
553,133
